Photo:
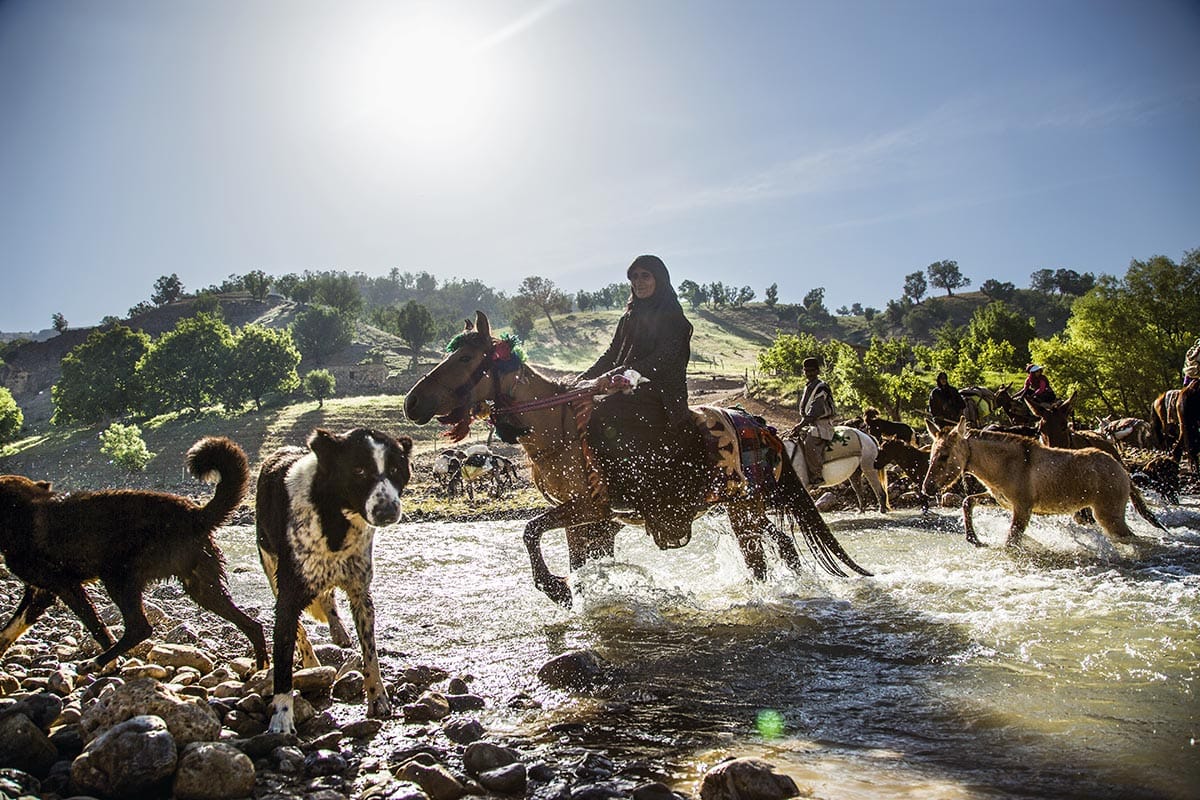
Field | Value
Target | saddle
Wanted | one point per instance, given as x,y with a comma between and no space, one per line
746,456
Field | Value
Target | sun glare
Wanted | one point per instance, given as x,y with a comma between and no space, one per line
420,84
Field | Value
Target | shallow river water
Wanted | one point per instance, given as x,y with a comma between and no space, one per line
1069,670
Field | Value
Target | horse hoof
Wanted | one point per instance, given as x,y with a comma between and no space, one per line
558,591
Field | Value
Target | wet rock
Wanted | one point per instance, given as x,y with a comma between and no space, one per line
40,709
324,762
522,701
603,790
62,681
329,655
828,501
542,772
187,720
594,766
429,707
509,779
213,771
182,655
746,779
425,675
363,728
289,760
465,702
314,680
257,747
243,724
578,669
15,783
557,790
316,725
435,781
24,746
8,683
463,731
402,790
348,687
654,790
480,757
404,693
457,685
134,758
326,741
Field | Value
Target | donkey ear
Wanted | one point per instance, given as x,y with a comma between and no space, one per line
961,428
468,325
482,325
932,426
1070,400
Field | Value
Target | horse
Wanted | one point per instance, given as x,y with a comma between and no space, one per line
1018,413
482,374
851,454
1187,411
1164,419
1057,431
1127,430
1028,478
885,428
979,403
912,461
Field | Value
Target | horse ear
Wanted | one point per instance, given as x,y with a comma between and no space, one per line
1034,408
961,428
468,325
1070,400
482,325
934,429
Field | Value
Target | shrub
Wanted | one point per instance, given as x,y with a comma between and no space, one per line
320,384
11,418
124,445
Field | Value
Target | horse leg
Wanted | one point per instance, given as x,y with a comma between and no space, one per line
856,485
1111,519
878,487
746,529
588,542
968,506
1020,521
555,587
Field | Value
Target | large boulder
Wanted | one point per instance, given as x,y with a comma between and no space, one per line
187,720
213,771
746,779
24,746
134,758
578,669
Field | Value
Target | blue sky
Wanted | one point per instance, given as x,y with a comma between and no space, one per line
835,144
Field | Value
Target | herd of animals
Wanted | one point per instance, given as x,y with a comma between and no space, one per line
318,508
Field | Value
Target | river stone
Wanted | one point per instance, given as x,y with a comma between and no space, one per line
654,790
313,680
41,709
465,702
827,502
156,671
509,779
578,669
399,790
436,781
213,771
182,655
463,730
62,681
68,740
349,687
429,707
244,724
134,758
24,746
746,779
263,744
8,683
187,720
363,728
480,757
15,783
324,762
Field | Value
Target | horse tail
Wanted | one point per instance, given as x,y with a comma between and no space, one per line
1139,503
798,505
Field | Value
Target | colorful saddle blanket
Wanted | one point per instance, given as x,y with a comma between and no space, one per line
745,454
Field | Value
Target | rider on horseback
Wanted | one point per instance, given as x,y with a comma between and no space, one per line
946,404
817,412
1037,387
653,338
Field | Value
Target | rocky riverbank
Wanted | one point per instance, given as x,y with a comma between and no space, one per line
186,717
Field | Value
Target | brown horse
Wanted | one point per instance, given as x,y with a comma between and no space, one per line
1028,479
579,476
1057,431
1163,419
1187,411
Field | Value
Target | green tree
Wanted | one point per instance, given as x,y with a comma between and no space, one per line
999,322
125,446
99,377
1042,280
167,289
257,283
319,384
771,297
339,290
264,360
998,290
786,354
320,331
186,367
59,322
11,418
542,295
915,286
946,275
522,324
414,324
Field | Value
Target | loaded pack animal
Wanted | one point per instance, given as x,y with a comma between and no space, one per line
447,471
1028,478
126,539
317,512
481,466
1164,419
980,403
588,488
1129,431
850,456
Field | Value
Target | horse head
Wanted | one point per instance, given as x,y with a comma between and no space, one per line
1055,420
452,389
949,455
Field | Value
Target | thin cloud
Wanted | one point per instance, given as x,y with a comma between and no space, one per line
520,25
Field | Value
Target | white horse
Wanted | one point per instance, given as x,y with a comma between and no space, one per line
851,451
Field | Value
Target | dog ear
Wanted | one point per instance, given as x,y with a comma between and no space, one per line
49,487
406,445
323,443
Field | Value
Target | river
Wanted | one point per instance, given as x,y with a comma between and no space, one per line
1069,670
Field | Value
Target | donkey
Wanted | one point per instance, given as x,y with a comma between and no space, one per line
1057,431
1028,478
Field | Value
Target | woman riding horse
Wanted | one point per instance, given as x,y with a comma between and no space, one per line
653,338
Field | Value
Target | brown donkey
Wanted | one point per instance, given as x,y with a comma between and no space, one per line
1028,479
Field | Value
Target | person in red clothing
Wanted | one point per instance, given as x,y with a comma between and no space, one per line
1037,387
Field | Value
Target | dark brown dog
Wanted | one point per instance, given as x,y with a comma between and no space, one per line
126,539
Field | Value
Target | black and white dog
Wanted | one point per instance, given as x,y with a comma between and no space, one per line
316,514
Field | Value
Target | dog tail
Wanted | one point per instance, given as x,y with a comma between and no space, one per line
1139,503
216,458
